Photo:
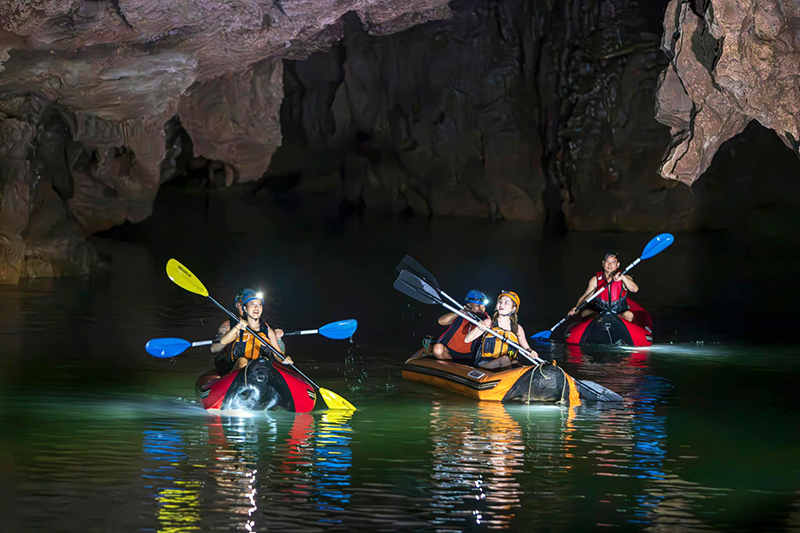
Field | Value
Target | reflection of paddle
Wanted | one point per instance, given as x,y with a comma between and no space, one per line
422,291
183,278
167,347
342,329
657,244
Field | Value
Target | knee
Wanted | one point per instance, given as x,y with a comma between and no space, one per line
627,315
240,363
440,351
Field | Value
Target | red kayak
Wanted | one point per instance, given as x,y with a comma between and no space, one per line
261,386
608,328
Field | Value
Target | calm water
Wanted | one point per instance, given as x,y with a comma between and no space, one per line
99,436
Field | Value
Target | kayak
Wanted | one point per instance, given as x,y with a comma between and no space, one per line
608,328
541,383
261,386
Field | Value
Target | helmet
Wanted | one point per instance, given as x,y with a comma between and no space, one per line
248,295
511,294
476,297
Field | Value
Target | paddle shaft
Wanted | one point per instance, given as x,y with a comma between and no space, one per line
302,332
201,343
597,293
275,352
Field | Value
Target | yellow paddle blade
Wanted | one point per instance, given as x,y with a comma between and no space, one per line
334,401
183,278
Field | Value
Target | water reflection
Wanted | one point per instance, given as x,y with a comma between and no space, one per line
475,459
177,500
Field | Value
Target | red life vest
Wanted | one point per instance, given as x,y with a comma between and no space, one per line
454,336
619,294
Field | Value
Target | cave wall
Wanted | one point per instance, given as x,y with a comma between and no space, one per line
731,62
507,109
516,109
89,92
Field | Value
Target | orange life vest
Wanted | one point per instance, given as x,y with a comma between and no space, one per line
493,347
248,346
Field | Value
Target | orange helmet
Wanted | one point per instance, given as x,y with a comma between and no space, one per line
511,294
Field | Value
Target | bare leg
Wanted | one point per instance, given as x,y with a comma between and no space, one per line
588,313
239,364
627,315
441,352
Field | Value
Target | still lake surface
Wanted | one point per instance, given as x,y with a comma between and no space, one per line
99,436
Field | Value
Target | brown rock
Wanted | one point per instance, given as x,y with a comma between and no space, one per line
736,63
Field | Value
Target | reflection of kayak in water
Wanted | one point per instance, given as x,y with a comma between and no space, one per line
542,383
608,328
260,386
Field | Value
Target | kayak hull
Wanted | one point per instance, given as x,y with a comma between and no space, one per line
543,383
609,329
263,385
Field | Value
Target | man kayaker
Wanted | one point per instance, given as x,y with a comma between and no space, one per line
615,297
450,346
494,353
245,347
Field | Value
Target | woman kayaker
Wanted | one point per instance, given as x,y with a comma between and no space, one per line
247,347
493,352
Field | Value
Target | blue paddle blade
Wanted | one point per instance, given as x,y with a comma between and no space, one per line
343,329
658,244
542,335
166,347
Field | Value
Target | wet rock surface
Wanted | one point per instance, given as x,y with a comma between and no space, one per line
731,62
545,112
90,92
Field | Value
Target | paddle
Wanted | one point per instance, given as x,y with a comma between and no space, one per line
419,289
657,244
340,330
183,278
167,347
412,265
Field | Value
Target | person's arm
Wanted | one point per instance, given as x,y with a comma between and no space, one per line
217,346
523,341
478,331
627,282
589,291
232,333
446,320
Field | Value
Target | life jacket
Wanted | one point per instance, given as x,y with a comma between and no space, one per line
619,295
247,346
493,347
455,334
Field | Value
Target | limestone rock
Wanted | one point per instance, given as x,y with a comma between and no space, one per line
730,62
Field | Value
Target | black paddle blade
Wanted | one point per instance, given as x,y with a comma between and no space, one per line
594,392
411,264
416,288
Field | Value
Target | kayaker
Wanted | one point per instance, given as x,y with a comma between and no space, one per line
450,346
615,297
246,347
493,352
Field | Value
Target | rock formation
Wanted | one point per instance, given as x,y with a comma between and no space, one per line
87,86
730,62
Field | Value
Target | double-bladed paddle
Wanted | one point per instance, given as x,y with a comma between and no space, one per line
167,347
657,244
412,265
412,285
183,278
